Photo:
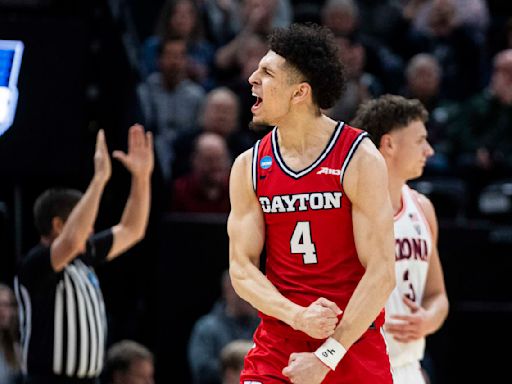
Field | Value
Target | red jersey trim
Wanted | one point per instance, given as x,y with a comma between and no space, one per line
296,175
402,210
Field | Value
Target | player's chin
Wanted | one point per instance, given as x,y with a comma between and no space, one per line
418,172
259,121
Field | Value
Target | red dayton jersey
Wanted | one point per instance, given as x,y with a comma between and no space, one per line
308,223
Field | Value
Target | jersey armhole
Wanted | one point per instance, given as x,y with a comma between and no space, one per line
255,165
350,154
415,199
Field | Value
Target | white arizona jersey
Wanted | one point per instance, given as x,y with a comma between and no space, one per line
413,245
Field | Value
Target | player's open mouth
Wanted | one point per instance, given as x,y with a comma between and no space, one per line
257,104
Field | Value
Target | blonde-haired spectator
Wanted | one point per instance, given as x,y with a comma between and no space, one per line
232,360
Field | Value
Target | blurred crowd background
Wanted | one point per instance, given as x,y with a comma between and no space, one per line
180,68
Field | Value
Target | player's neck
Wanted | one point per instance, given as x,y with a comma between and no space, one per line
301,135
395,185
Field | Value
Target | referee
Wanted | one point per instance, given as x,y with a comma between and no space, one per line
62,313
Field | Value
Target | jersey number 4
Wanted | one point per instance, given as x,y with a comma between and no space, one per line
301,242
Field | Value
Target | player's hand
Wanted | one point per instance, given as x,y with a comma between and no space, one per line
319,319
406,328
305,368
140,158
102,165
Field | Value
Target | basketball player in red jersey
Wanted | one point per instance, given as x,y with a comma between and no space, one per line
314,192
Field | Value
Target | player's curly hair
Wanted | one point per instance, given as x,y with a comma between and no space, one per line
312,50
387,113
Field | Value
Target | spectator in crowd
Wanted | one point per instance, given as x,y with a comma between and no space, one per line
458,49
257,17
232,360
205,188
62,312
380,19
231,318
128,362
499,38
360,85
9,346
423,82
423,79
343,19
248,56
220,115
181,18
340,16
222,20
481,134
470,13
170,101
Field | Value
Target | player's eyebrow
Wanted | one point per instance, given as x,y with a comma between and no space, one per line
266,68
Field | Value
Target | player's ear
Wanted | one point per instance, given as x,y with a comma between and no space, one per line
301,92
57,224
386,144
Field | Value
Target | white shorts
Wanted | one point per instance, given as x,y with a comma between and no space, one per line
408,374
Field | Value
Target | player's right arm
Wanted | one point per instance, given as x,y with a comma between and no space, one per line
246,229
79,225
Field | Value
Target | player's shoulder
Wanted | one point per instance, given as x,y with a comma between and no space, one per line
425,204
241,167
245,156
369,157
422,199
366,171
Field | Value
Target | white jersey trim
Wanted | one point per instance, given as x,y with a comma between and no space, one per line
323,155
25,313
350,154
255,165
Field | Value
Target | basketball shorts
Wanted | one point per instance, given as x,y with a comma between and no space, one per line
366,361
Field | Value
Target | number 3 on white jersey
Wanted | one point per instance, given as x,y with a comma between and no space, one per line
301,242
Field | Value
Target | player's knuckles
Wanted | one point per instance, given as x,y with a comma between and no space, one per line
287,371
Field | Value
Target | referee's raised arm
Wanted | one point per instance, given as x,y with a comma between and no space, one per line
68,236
139,161
62,313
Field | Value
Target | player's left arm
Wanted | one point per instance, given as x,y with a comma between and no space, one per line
428,317
366,185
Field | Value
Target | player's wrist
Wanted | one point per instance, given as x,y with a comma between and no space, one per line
296,319
99,180
330,353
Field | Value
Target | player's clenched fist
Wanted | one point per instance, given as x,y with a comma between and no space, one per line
319,319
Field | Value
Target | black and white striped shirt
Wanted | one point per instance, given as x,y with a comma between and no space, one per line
62,314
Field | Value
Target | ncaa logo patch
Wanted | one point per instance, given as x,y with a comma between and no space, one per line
266,162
